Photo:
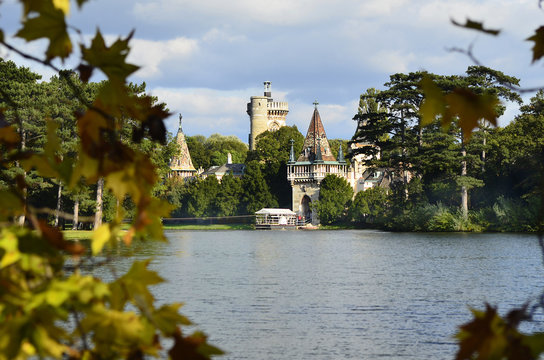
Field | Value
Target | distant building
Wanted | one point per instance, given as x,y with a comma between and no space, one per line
314,163
236,170
265,114
181,165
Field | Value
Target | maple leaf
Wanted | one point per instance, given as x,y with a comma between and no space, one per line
48,23
478,26
538,47
111,60
471,108
434,103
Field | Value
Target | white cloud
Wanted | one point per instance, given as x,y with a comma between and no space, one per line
151,55
391,61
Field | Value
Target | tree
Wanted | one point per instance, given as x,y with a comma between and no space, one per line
334,199
272,150
47,312
227,201
369,206
256,193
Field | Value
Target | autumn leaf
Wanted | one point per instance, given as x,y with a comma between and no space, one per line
478,26
9,137
434,103
56,239
63,5
49,23
538,47
109,59
471,108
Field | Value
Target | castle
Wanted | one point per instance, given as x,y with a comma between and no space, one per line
304,172
265,114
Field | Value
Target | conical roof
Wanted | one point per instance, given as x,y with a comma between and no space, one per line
316,137
182,160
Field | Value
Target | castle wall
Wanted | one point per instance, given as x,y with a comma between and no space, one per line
301,190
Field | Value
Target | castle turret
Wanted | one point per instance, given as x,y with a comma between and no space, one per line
265,114
181,164
314,163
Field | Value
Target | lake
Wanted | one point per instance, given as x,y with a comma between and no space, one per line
349,294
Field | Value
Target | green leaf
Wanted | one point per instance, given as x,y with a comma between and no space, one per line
478,26
538,47
50,24
535,342
167,319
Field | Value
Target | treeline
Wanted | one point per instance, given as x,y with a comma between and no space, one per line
443,180
33,105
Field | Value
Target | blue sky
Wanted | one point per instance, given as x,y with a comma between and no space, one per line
205,58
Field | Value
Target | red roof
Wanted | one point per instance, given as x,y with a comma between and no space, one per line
316,135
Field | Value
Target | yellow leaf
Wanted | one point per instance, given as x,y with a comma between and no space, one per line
471,108
10,244
100,237
434,103
63,5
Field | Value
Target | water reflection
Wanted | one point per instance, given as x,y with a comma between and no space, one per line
341,294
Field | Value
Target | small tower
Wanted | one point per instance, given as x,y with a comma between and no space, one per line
314,163
181,165
265,114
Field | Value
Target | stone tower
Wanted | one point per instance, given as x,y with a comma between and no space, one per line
265,114
181,164
314,163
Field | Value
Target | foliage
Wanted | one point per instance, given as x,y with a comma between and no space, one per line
335,196
370,206
45,310
213,151
272,150
256,193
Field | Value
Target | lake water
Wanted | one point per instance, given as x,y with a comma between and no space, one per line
342,294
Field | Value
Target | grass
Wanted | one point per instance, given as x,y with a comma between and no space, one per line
209,227
77,234
86,234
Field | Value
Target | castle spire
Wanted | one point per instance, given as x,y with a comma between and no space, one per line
340,157
292,153
316,139
318,156
181,162
179,128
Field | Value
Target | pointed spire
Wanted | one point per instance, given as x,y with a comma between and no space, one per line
315,104
292,153
340,158
179,128
310,147
182,160
318,156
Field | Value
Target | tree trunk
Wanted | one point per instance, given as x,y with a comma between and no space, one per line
22,218
59,203
464,190
483,151
76,215
98,214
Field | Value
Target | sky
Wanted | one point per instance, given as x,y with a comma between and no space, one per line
206,58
